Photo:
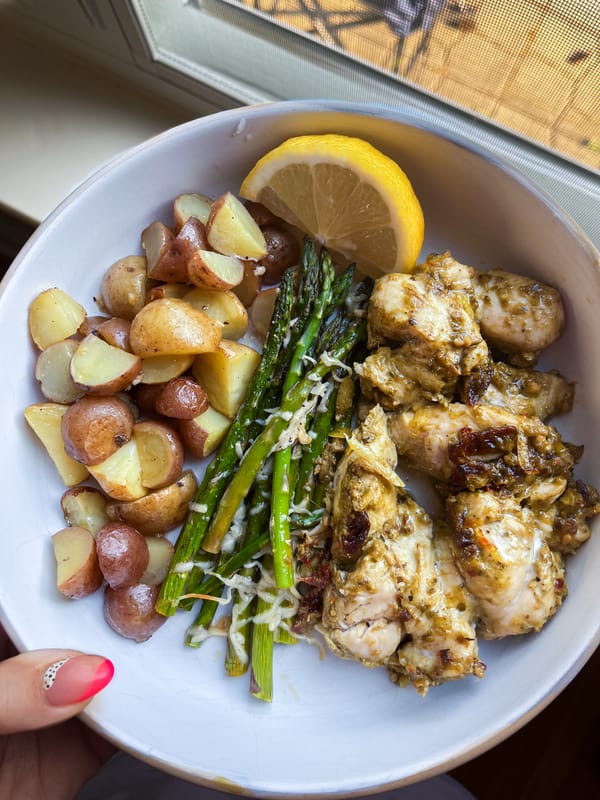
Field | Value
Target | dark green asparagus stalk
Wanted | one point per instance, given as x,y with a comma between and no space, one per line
305,520
283,556
240,483
219,471
212,585
209,608
320,428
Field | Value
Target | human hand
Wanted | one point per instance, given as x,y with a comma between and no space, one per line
44,752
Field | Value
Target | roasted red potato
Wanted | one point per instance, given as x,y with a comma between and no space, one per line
93,428
78,571
160,451
181,398
159,511
130,611
122,554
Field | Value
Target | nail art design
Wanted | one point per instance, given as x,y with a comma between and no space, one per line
50,675
76,678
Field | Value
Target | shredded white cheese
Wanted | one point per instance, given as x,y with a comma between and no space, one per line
236,530
335,362
187,566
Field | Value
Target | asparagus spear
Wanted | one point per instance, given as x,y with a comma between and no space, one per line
283,557
242,609
219,471
237,658
240,483
320,428
261,673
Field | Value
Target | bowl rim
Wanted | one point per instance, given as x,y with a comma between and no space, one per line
521,716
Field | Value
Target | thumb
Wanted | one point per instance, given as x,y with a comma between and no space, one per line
44,687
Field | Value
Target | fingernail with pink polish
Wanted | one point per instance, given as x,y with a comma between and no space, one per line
75,679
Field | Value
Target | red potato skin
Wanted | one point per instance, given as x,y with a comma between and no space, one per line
145,394
130,611
115,331
122,554
193,437
95,427
283,252
261,214
172,266
85,582
181,398
91,324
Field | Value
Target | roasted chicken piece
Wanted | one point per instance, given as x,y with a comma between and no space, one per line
517,315
433,310
386,604
399,378
441,613
362,617
518,389
563,512
474,447
501,550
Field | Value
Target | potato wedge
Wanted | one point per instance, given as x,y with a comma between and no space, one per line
232,230
172,327
130,611
123,554
250,286
160,369
115,331
261,310
161,453
45,419
223,306
124,287
94,428
173,265
164,262
159,511
100,368
53,316
224,375
91,324
191,205
77,569
84,507
203,434
181,398
214,270
120,475
53,371
177,290
161,552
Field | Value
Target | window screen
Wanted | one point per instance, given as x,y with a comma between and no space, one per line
529,66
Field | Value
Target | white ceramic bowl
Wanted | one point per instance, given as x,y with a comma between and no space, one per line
334,728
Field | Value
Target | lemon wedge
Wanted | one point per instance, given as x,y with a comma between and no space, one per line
347,195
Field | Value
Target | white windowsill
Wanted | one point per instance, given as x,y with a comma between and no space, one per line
60,120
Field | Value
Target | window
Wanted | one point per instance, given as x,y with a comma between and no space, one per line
531,67
518,77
